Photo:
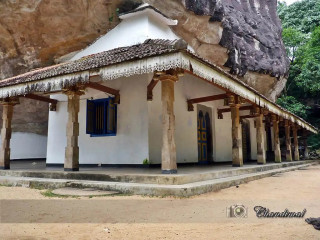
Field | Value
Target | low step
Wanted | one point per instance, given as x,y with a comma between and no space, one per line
215,172
183,190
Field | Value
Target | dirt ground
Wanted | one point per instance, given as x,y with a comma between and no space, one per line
27,214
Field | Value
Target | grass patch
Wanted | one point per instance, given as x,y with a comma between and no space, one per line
50,194
8,185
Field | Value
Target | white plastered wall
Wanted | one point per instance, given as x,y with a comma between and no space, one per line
186,123
129,146
139,126
129,32
27,146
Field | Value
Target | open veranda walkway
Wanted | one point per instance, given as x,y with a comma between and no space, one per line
28,214
190,180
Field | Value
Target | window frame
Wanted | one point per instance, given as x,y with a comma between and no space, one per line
106,102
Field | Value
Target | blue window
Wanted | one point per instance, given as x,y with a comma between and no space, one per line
101,117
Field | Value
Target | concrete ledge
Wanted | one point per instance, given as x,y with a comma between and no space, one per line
196,175
183,190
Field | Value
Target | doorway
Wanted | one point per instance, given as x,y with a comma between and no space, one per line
205,146
246,141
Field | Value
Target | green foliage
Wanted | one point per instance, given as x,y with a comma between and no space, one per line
303,16
314,141
309,61
301,36
292,39
293,105
309,78
146,161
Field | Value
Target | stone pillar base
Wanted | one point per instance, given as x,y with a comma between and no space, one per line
296,155
71,169
172,171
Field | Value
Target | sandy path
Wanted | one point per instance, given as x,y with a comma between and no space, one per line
135,217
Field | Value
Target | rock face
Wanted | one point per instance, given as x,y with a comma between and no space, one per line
251,33
35,33
244,36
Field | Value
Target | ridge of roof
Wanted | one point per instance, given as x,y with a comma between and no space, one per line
143,7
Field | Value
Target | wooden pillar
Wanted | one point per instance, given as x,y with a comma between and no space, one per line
296,143
168,153
237,155
305,144
71,161
288,140
276,140
261,151
6,131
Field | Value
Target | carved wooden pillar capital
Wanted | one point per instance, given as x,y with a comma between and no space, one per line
74,90
287,123
10,101
234,100
274,118
256,110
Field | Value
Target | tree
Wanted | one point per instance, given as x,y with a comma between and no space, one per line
293,39
293,105
303,16
309,60
301,36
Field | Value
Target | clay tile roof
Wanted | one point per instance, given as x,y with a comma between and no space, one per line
149,48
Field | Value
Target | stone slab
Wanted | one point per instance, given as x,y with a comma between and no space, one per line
68,191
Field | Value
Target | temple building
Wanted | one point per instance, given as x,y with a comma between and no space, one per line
140,95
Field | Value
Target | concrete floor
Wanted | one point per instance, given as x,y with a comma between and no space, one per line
40,165
191,180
